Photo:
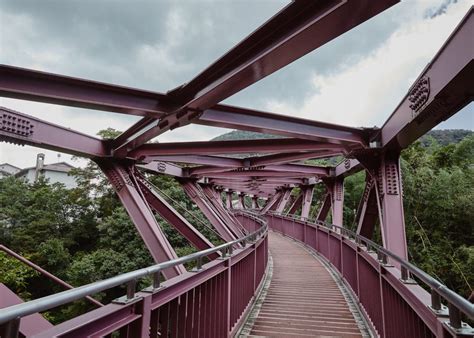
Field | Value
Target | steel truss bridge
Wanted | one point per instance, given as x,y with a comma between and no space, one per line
354,285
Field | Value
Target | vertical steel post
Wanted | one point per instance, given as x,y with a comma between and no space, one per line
390,202
337,199
229,204
307,198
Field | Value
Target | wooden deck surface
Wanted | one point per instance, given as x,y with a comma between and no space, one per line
302,300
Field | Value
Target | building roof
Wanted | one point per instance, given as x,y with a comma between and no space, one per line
9,169
59,166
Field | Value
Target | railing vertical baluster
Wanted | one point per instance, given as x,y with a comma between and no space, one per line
454,317
10,329
131,285
435,300
157,280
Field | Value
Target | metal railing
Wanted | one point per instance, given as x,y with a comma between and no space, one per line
456,303
43,272
13,314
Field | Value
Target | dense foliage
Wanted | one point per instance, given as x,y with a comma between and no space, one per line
438,187
84,234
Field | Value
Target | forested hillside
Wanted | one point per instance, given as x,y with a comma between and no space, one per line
84,234
442,137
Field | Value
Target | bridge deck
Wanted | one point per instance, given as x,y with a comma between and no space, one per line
302,299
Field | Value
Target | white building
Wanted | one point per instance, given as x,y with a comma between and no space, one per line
7,169
55,172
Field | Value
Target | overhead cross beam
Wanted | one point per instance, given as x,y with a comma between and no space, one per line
147,152
295,31
23,129
444,87
33,85
283,125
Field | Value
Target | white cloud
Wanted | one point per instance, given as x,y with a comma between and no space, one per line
362,91
365,92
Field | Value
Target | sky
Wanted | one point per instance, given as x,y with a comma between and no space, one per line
357,79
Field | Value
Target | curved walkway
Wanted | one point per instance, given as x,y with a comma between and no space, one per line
302,300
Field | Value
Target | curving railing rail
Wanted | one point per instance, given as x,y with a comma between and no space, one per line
390,298
209,301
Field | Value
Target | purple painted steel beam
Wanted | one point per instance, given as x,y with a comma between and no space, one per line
45,273
131,139
283,200
174,218
277,202
160,167
216,161
199,199
306,200
229,204
32,85
260,191
24,129
390,204
271,202
245,188
230,147
291,157
278,180
298,201
296,30
443,88
141,214
262,122
255,202
367,213
258,173
337,200
221,211
216,192
324,209
240,200
300,168
348,167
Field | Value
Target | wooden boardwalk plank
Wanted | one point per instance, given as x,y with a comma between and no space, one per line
302,300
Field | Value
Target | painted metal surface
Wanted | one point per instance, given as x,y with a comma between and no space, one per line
263,168
210,302
388,296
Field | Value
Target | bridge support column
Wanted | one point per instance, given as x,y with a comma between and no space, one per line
121,177
337,201
306,200
254,202
283,200
241,200
228,194
389,193
383,193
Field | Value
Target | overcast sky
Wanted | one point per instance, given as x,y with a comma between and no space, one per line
357,79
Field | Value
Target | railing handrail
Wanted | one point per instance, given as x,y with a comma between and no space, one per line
64,297
449,295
